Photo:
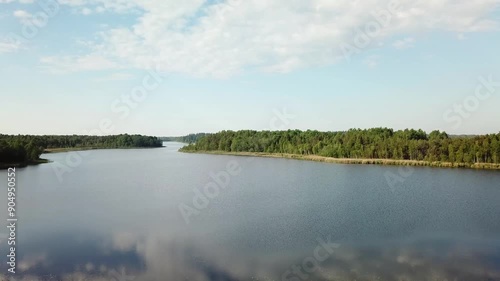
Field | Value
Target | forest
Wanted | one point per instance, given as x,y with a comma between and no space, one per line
376,143
27,149
191,138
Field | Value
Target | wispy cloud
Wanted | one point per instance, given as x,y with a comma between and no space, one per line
8,46
372,61
405,43
69,64
19,1
86,11
119,76
23,16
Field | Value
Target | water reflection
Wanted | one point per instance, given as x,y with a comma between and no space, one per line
116,218
127,256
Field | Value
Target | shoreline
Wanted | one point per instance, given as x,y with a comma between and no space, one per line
4,166
67,149
70,149
356,161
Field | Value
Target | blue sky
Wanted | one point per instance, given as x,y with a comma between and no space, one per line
234,64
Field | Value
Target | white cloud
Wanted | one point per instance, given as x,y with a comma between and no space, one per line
86,11
404,43
267,35
68,64
27,18
120,6
23,16
20,1
9,47
119,76
372,61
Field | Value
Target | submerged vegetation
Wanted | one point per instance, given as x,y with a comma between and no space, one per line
26,149
369,146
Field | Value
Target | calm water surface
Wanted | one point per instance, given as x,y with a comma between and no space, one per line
117,216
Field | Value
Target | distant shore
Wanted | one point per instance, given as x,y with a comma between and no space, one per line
4,166
317,158
24,150
69,149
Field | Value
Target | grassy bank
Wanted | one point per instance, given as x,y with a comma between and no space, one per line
317,158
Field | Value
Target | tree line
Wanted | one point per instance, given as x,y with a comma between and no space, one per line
191,138
376,143
28,148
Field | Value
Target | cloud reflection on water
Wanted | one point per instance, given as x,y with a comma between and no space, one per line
156,257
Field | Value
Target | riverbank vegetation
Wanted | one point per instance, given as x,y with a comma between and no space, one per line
21,150
369,146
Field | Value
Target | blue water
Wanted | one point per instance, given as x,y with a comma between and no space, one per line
116,215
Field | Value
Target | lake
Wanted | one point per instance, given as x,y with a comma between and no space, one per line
157,214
